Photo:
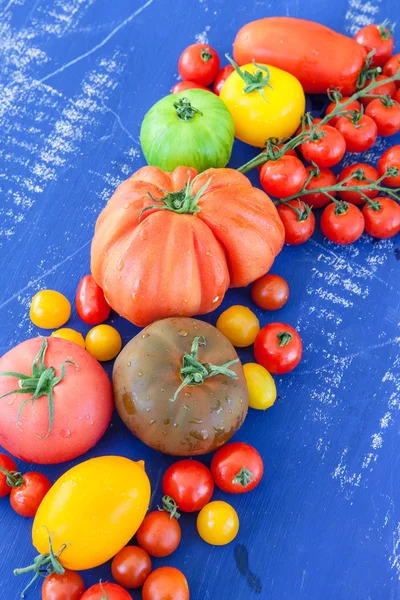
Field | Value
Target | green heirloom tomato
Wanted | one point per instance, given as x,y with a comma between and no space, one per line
191,129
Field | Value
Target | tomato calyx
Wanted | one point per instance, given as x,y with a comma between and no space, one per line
284,338
14,479
170,506
104,596
387,101
255,81
367,72
194,372
303,212
182,202
355,118
341,207
185,111
206,55
40,382
386,29
244,477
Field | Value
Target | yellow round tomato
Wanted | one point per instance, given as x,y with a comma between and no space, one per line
239,324
95,508
261,386
49,309
218,523
103,342
273,108
71,335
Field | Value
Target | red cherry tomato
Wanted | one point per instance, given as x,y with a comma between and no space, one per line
221,78
392,67
390,159
283,177
189,483
199,63
397,96
166,583
91,305
130,567
8,474
182,86
327,151
382,220
386,114
278,348
159,534
386,89
299,224
322,178
378,38
237,468
270,292
359,136
342,223
106,591
355,105
363,173
26,498
69,586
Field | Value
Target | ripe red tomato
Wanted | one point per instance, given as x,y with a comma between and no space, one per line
392,67
165,583
199,63
397,96
91,305
278,348
159,534
378,38
382,221
8,474
26,498
390,159
386,89
182,86
360,136
131,566
189,483
69,586
322,179
327,151
355,105
106,591
237,468
283,177
386,114
221,78
342,223
270,292
363,173
299,224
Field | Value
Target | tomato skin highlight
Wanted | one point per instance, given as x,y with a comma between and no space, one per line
355,197
7,463
385,222
221,77
131,566
69,586
392,67
239,324
218,523
49,309
166,583
159,534
385,89
91,305
372,39
260,385
283,177
106,591
199,63
270,292
278,359
182,86
343,228
326,178
26,499
360,137
296,232
390,158
229,460
326,152
189,483
387,118
355,105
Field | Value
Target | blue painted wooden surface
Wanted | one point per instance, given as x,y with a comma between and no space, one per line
77,76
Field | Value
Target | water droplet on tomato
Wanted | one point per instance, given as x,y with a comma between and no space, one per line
162,389
127,204
105,253
120,264
152,422
182,333
65,433
188,394
215,299
140,374
145,335
208,253
128,364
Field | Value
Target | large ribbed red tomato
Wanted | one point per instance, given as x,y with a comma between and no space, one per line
170,244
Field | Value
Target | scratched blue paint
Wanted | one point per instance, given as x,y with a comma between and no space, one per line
76,79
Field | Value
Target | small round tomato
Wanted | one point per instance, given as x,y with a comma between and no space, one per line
390,160
322,178
352,106
166,583
68,586
357,175
283,177
378,38
386,114
131,566
199,63
49,309
91,305
278,348
382,219
260,385
327,151
71,335
103,342
237,468
397,96
342,223
270,292
159,534
106,591
385,89
182,86
26,498
239,324
298,221
392,67
9,475
221,78
218,523
189,483
359,135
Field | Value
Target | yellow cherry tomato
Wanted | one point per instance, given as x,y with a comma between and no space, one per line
261,386
271,108
49,309
218,523
239,324
103,342
71,335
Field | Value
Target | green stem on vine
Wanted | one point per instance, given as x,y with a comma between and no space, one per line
170,506
386,29
14,479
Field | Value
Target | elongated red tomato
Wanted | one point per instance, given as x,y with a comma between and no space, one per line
221,78
237,468
91,305
319,57
382,220
342,223
181,86
386,114
362,175
322,178
378,38
360,135
278,348
328,150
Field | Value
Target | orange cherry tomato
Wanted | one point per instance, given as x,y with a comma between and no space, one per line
166,583
270,292
159,534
